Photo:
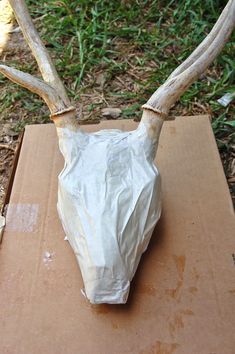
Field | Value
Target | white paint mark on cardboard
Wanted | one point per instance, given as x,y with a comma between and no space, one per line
22,217
2,225
2,222
47,257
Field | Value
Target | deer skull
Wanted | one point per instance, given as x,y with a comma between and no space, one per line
109,197
108,202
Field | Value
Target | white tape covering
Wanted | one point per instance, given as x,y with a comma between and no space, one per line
109,203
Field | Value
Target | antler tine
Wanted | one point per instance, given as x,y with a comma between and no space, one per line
162,99
39,51
204,44
37,86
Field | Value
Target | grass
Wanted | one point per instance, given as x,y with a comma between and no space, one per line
118,52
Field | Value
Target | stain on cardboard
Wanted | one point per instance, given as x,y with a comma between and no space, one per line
177,322
180,266
160,348
174,291
147,289
187,312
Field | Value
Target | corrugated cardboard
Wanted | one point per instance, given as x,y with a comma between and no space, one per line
183,296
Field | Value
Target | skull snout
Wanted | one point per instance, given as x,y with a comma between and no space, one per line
105,276
107,290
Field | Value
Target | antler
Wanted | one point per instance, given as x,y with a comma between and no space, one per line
51,89
159,104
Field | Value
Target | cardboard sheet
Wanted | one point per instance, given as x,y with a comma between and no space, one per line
183,296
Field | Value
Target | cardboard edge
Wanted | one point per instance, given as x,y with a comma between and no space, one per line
9,185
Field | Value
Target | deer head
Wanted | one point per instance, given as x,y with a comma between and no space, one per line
109,196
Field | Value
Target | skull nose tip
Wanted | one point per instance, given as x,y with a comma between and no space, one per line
107,290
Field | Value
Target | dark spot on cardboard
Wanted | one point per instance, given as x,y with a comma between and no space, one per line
172,130
115,326
233,256
195,274
193,290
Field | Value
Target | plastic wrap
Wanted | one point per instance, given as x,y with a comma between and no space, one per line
109,203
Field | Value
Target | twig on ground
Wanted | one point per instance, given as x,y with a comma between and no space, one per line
3,146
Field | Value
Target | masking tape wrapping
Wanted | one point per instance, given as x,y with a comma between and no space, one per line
109,201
